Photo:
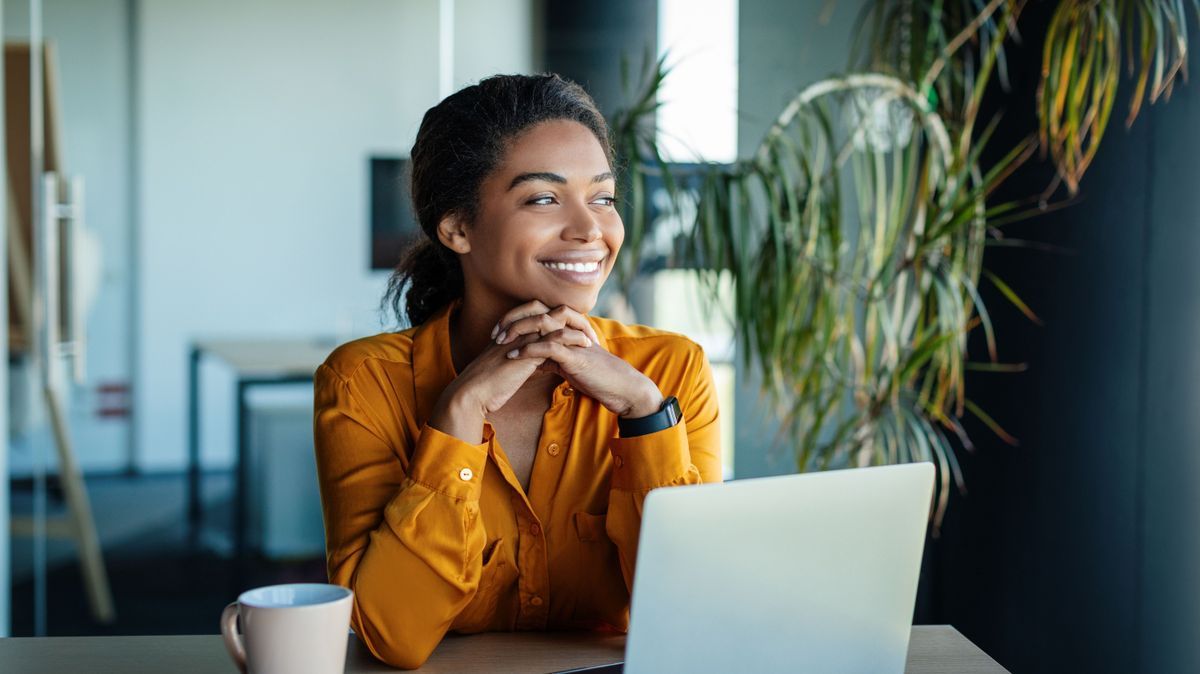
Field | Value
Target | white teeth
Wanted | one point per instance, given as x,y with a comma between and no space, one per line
573,266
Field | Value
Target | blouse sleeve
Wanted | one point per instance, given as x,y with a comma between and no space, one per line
404,534
687,453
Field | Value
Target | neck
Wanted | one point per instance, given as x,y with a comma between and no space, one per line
471,332
471,329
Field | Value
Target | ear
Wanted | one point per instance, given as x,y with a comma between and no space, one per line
452,232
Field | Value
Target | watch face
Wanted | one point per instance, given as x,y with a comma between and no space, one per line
672,407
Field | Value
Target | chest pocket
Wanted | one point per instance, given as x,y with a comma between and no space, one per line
498,573
601,599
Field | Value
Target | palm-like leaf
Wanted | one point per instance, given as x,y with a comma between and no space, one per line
1081,65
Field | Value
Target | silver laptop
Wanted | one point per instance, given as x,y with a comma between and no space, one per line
801,573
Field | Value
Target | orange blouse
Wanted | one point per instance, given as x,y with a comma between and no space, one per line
435,534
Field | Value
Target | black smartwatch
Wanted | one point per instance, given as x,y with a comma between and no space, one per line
667,416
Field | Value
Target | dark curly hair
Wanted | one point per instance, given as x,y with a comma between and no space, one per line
461,140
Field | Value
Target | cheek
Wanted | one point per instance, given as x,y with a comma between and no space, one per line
614,234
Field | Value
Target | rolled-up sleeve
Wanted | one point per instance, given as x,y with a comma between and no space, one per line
687,453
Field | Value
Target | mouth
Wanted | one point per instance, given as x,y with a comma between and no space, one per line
581,273
586,267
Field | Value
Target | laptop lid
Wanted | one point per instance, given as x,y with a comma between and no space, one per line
805,573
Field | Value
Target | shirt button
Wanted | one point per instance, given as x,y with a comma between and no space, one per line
536,601
466,474
535,530
568,391
553,449
618,461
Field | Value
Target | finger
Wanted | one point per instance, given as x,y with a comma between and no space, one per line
569,337
519,341
540,324
574,319
528,309
556,351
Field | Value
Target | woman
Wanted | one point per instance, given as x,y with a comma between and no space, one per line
485,469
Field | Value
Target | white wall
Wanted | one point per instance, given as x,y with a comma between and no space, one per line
491,37
255,122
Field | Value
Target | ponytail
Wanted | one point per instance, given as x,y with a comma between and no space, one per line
428,278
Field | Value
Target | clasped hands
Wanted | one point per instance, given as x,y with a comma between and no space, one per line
535,337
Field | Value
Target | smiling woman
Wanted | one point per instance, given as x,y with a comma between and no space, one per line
485,469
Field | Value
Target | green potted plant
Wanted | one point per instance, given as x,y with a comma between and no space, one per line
854,236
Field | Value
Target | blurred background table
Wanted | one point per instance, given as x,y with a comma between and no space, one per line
255,362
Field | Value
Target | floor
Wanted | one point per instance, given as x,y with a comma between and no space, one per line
160,583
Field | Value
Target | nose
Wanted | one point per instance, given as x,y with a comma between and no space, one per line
582,225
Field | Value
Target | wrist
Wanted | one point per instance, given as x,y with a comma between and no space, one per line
667,416
459,414
462,401
647,402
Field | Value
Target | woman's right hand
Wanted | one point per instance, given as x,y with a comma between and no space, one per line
487,383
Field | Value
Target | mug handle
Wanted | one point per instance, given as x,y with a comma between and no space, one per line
233,640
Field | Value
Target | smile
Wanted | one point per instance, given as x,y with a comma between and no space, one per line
585,267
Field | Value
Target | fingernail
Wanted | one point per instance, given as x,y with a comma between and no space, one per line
495,329
512,354
586,342
500,337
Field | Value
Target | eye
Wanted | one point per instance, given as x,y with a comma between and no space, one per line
543,200
609,201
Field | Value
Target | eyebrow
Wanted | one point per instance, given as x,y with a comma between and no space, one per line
554,178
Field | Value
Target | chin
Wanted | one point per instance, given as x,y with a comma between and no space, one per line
580,302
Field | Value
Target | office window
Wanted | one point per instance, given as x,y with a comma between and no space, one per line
698,114
697,122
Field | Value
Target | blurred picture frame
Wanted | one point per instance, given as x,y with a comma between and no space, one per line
393,224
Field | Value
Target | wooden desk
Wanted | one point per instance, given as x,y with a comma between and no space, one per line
933,649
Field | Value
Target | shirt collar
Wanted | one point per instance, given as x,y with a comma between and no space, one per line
433,366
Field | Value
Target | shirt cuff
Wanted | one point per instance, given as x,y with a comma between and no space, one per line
448,465
647,461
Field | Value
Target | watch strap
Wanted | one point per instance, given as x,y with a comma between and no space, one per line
667,416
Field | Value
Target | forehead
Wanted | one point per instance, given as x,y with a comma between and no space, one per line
559,146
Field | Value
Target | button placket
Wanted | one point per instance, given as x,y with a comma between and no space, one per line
532,567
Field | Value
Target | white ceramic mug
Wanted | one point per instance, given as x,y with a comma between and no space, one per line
300,628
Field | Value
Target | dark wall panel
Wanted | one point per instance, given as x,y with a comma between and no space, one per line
1170,572
585,41
1080,549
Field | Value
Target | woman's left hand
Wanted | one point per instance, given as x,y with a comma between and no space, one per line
591,369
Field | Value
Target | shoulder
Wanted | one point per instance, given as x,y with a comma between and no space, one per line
649,349
626,336
385,349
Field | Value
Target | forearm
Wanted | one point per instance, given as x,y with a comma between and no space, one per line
422,564
643,399
457,414
408,591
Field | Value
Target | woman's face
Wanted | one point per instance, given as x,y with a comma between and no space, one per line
547,227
